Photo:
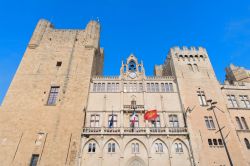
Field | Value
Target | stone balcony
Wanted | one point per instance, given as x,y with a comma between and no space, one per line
135,131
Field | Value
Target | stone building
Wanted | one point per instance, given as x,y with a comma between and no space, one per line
61,110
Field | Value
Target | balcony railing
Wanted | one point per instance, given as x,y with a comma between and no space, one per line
135,131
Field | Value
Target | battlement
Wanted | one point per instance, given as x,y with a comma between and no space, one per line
46,28
189,52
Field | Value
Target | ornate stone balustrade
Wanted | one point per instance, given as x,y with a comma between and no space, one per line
170,78
134,131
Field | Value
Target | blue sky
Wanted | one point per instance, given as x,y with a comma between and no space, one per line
143,27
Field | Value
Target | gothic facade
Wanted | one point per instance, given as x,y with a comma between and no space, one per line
61,110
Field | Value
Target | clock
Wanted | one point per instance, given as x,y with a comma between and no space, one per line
132,75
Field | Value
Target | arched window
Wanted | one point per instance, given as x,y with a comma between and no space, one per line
238,122
247,143
158,148
244,123
190,67
196,68
132,66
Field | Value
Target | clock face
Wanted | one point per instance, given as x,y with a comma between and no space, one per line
132,75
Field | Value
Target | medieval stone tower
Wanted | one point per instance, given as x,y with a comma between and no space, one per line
197,84
43,111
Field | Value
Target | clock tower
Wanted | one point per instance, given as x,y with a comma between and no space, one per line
132,70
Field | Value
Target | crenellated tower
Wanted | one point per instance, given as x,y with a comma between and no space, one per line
46,101
197,83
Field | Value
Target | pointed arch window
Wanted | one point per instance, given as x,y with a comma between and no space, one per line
158,148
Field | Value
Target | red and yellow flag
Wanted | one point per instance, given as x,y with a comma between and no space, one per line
150,115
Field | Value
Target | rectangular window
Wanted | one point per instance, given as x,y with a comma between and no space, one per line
134,87
99,85
156,87
245,101
152,87
209,122
163,87
94,87
34,159
167,87
94,120
103,87
125,87
202,98
54,90
109,87
173,121
148,87
117,87
136,121
232,101
157,122
140,87
171,88
114,120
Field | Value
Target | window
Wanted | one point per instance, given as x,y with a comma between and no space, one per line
109,87
152,87
114,120
91,147
148,87
220,142
241,122
173,121
34,159
196,67
135,147
54,90
156,87
136,122
125,87
202,98
158,148
94,120
244,123
117,87
215,141
58,63
232,101
94,87
103,87
140,87
171,89
210,142
99,85
209,122
244,101
178,147
111,147
247,143
190,67
157,122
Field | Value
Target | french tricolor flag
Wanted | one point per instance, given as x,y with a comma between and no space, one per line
133,119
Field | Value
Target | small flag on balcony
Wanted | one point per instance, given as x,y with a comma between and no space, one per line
111,122
133,119
150,115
